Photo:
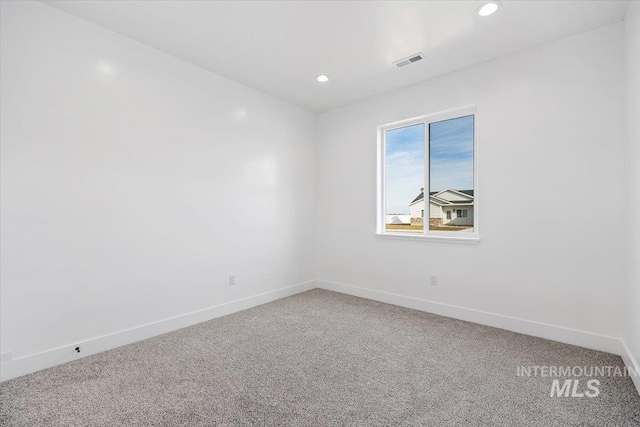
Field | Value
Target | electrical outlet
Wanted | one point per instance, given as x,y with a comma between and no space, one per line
433,280
232,280
6,357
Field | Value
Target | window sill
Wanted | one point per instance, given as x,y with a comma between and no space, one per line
424,238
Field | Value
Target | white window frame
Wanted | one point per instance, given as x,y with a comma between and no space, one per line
428,235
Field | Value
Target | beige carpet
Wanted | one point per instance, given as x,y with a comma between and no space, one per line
321,359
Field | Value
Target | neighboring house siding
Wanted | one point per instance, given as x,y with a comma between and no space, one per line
455,220
435,211
416,209
439,205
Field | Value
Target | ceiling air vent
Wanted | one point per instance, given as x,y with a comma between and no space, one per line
410,60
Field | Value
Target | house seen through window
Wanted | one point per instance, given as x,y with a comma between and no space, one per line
435,153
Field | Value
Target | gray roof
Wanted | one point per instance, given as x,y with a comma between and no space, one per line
421,196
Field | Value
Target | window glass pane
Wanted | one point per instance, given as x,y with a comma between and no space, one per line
451,174
404,176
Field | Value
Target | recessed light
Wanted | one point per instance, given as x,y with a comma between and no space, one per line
322,78
489,8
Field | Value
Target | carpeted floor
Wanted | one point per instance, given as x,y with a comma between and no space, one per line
321,359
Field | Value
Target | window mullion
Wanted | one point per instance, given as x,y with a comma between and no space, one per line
427,207
382,184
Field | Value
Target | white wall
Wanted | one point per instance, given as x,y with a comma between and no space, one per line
550,133
133,183
632,45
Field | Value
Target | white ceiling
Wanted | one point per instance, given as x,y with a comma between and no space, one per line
278,47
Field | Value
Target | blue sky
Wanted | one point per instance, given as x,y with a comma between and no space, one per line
404,169
451,147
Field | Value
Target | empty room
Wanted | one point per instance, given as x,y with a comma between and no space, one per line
214,213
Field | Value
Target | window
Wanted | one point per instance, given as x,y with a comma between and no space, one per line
426,165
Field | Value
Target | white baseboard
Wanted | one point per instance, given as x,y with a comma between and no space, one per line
631,363
35,362
527,327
